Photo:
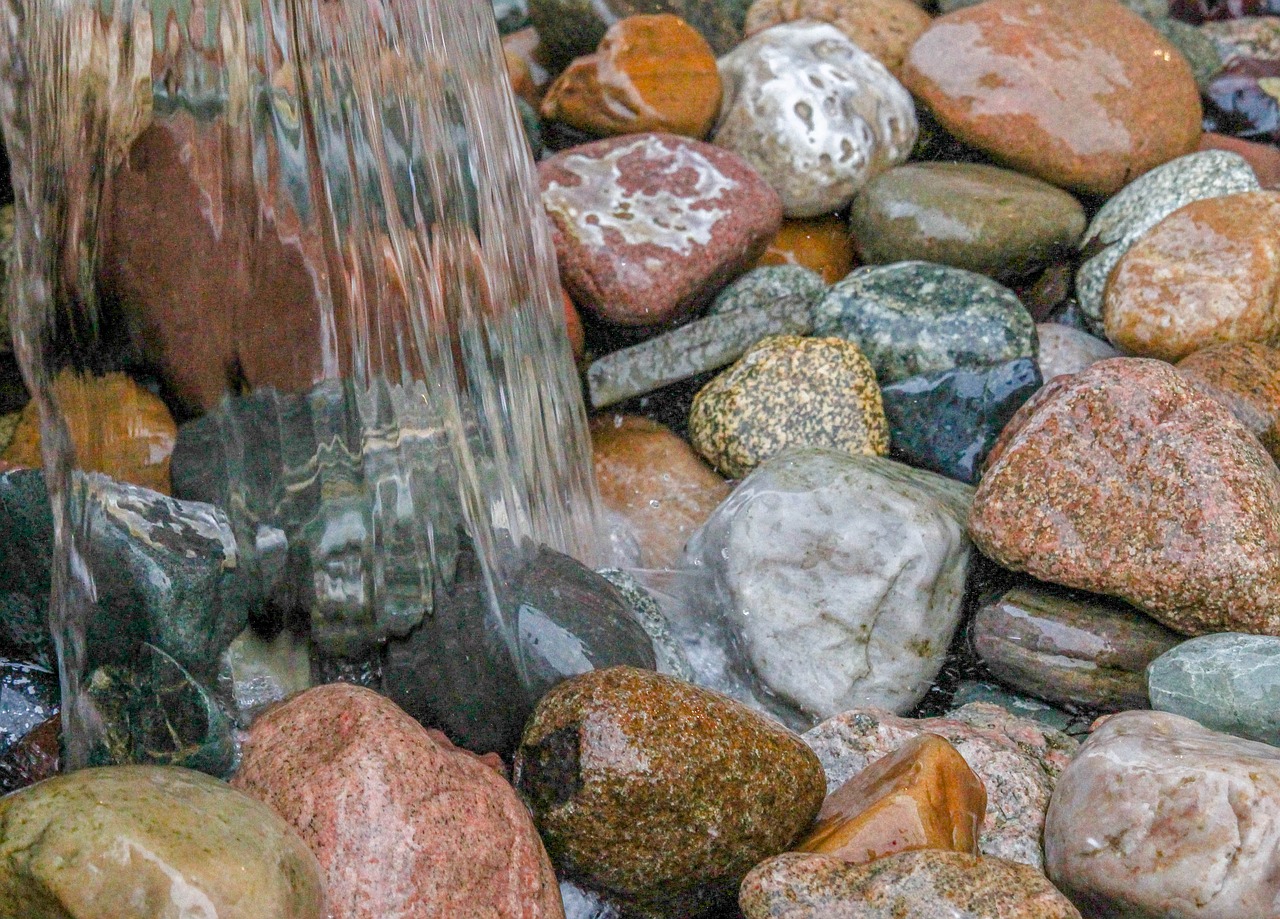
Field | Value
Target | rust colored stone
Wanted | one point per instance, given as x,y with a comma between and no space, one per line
1264,158
33,758
822,244
885,29
573,326
1245,377
923,796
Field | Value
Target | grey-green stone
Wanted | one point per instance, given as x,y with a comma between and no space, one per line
1196,46
1228,682
768,284
1021,706
671,658
917,317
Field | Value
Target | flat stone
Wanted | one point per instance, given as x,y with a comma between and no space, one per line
885,29
1065,350
1019,706
1245,377
1227,682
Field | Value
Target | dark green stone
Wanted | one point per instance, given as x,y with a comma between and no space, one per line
572,28
26,557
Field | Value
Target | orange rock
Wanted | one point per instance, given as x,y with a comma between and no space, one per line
1208,273
1264,158
885,29
526,66
655,480
117,427
923,796
823,244
1245,377
650,73
573,325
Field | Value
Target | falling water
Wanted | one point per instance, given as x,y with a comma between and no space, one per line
372,358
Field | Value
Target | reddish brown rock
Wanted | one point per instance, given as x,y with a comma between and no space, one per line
527,65
885,29
573,327
33,758
402,826
1059,89
1264,158
823,244
1245,377
654,480
1123,479
648,227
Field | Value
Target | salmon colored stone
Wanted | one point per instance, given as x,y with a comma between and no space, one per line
650,73
923,796
823,244
1264,158
1208,273
1245,377
117,427
885,29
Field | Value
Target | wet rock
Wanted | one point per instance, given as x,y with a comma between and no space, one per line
1239,101
815,114
822,244
720,788
884,29
915,317
667,649
839,578
1071,649
693,215
263,672
947,421
580,903
28,697
1124,480
1060,91
928,884
511,15
1196,48
1198,11
25,564
1017,760
572,28
1246,38
527,66
33,758
980,218
1263,158
762,286
1245,377
1226,682
1160,817
1065,350
970,691
136,841
400,824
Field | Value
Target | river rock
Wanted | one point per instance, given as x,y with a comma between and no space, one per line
1065,350
768,284
1227,682
400,824
821,244
1240,101
649,227
668,650
811,553
1061,91
1020,706
1160,818
884,29
581,903
928,884
1124,480
967,215
1071,649
814,113
914,317
1245,377
28,697
1199,11
33,758
136,842
1263,158
1198,49
1246,38
263,672
1017,760
720,788
789,391
572,28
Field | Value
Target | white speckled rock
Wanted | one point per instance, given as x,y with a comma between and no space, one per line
1160,818
840,576
814,113
1066,350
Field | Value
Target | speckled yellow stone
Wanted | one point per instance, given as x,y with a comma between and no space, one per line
789,391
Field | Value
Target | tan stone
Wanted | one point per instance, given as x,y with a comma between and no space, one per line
823,244
1208,273
885,29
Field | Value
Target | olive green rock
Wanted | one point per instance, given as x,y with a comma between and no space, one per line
661,794
572,28
141,842
992,221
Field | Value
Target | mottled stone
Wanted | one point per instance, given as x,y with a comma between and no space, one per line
915,317
970,691
1245,377
1241,100
1160,818
821,244
661,794
763,286
1246,38
401,825
28,697
839,578
815,114
264,672
1065,350
137,842
668,651
33,758
884,29
1198,49
1263,158
572,28
581,903
927,884
992,221
1226,682
1017,760
1071,649
1124,480
789,392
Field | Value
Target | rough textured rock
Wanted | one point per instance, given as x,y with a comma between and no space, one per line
1160,818
1245,377
1226,682
28,698
34,758
661,794
768,284
137,842
668,651
884,29
401,825
1059,90
822,244
1065,350
1124,480
814,113
1263,158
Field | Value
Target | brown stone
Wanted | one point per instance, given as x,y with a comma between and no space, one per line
822,244
1206,274
117,427
1264,158
650,73
33,758
401,825
923,796
1123,479
1245,377
654,480
1060,89
573,327
885,29
527,67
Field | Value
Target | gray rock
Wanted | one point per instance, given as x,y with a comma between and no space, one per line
918,317
814,114
263,672
1227,682
970,691
768,284
1248,38
1198,48
671,658
1066,350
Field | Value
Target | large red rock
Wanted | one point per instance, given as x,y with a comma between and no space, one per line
1245,377
402,826
1124,479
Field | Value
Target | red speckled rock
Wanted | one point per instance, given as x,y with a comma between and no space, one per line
1123,479
404,827
1064,90
1245,377
648,227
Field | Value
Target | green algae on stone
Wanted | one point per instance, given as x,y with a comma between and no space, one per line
661,794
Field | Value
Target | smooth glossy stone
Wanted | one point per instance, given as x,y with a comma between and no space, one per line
1242,101
645,609
822,244
970,691
1065,350
263,672
885,29
572,28
1226,682
1245,377
28,697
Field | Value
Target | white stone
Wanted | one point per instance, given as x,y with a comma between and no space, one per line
816,115
1065,350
